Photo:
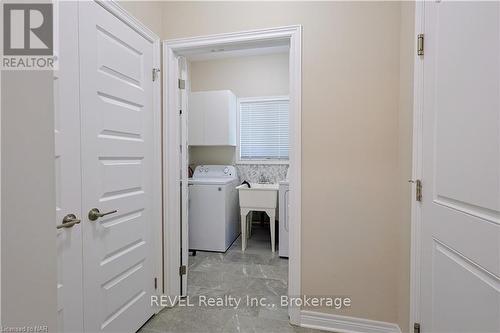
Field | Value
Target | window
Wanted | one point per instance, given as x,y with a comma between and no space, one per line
263,129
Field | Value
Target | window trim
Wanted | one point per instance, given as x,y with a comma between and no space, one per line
238,138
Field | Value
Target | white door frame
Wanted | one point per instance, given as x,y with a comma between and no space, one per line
116,9
171,50
417,172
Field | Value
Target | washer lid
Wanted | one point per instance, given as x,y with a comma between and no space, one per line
210,181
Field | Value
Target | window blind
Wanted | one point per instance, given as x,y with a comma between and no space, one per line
264,129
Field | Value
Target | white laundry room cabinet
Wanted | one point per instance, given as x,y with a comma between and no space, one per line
212,118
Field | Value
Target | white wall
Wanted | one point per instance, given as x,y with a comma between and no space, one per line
28,239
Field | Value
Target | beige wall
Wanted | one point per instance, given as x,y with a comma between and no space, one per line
28,239
251,76
148,12
356,132
350,136
219,155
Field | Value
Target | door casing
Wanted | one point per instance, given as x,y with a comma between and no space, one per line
417,172
172,49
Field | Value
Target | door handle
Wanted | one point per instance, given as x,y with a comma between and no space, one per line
68,221
94,214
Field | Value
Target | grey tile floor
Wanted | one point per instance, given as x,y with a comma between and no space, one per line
255,274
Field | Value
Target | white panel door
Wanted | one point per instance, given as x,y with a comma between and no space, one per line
118,171
461,168
67,166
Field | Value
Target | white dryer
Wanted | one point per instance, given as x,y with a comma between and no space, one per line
213,216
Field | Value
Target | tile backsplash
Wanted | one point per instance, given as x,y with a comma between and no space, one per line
225,155
252,172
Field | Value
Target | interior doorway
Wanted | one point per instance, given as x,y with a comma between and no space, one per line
177,56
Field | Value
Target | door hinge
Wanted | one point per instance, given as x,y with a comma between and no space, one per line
418,189
156,283
154,73
182,270
182,84
416,328
180,112
420,44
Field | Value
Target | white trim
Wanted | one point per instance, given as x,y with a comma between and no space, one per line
258,51
417,172
295,170
345,324
261,35
263,98
269,162
183,105
1,202
172,49
156,233
171,173
158,191
240,100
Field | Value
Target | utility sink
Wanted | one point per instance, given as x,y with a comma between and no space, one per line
258,196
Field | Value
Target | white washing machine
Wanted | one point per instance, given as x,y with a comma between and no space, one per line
213,216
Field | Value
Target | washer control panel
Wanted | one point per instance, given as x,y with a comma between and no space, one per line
214,171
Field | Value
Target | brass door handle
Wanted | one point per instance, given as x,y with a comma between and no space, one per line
94,214
68,221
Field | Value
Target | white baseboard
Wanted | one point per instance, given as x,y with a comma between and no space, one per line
345,324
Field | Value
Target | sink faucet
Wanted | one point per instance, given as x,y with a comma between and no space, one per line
264,179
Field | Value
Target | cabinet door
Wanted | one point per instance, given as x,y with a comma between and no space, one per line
212,118
216,118
196,121
231,117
